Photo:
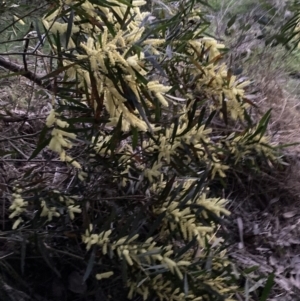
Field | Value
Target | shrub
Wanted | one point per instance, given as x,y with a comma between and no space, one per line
149,121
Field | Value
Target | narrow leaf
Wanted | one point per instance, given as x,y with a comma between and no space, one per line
58,71
231,21
134,138
47,258
224,109
39,148
23,255
90,265
69,28
267,288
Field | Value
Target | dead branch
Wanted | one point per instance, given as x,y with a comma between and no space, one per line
26,73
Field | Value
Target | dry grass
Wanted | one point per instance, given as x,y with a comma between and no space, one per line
265,221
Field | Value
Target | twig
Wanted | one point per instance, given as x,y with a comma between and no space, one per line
17,40
28,74
20,137
34,161
18,150
4,256
121,197
29,53
3,208
24,54
13,118
22,17
63,252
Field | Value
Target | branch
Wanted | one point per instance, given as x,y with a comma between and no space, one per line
28,74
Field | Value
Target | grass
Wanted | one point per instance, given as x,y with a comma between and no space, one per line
266,206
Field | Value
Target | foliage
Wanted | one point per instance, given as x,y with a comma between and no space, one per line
274,22
289,33
150,121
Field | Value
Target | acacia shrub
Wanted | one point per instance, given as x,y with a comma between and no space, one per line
147,117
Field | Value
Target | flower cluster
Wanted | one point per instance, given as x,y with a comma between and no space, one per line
49,207
138,256
248,143
59,141
217,81
18,206
49,212
103,50
186,219
69,201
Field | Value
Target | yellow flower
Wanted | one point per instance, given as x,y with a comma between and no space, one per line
51,118
218,167
153,172
90,239
104,275
73,209
127,257
17,223
18,205
49,212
